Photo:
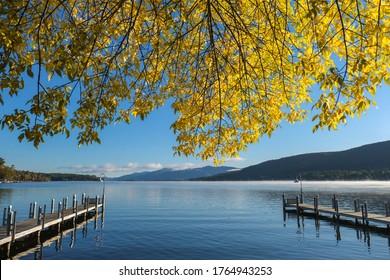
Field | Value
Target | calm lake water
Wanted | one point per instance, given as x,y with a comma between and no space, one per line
206,220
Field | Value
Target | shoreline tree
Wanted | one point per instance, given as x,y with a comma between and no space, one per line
231,70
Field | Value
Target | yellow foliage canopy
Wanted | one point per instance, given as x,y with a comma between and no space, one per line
233,70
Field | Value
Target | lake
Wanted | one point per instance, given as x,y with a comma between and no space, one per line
206,221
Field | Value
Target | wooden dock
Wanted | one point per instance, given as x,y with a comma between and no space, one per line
40,221
359,212
57,239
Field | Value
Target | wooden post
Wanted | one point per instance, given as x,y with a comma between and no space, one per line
59,216
63,213
336,206
366,212
83,198
5,217
39,215
356,205
74,202
44,216
52,206
387,208
334,201
297,202
59,210
86,205
97,205
316,198
77,210
65,203
284,203
14,227
9,219
103,202
34,210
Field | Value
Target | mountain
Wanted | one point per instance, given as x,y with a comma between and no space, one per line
168,174
366,162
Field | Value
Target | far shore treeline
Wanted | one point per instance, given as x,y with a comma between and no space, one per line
10,174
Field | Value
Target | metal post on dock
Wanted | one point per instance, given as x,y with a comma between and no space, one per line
83,198
5,217
52,206
387,208
9,220
334,201
97,205
336,208
44,216
103,202
356,205
366,212
14,226
74,203
39,215
33,210
316,198
86,206
297,202
59,210
65,203
76,215
63,213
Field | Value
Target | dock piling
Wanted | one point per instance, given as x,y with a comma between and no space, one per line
59,210
82,198
363,217
44,216
334,201
356,204
316,205
5,216
65,202
9,220
74,202
52,206
12,234
13,227
39,215
33,210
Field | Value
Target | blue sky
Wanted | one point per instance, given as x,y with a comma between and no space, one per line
147,145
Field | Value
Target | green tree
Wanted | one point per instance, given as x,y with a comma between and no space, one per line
232,70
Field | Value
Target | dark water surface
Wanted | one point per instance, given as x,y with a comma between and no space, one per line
206,220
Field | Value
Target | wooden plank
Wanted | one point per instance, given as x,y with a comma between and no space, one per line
30,226
290,202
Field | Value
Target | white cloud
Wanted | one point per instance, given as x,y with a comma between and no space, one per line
235,159
112,168
183,166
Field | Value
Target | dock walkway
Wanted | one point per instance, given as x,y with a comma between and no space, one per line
359,213
12,230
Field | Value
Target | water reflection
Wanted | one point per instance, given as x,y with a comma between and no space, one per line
363,233
188,220
37,252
